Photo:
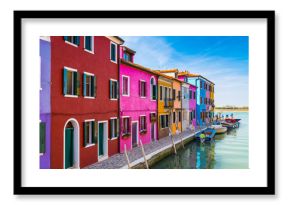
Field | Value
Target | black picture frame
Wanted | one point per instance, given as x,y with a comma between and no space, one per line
268,190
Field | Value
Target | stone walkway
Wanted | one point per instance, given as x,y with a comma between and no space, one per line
118,161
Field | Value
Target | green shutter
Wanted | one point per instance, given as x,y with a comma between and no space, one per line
96,133
93,132
111,89
118,128
75,76
64,81
78,40
117,89
65,38
92,86
78,84
42,133
95,86
111,128
85,135
84,84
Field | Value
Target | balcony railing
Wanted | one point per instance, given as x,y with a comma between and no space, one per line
168,102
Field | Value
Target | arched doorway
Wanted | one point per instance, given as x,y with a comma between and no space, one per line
71,144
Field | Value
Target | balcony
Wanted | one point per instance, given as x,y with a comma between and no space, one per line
168,103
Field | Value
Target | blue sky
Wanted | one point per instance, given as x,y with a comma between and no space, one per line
221,59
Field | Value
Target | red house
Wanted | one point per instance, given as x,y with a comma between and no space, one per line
84,99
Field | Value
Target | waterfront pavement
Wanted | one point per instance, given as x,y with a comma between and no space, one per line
118,161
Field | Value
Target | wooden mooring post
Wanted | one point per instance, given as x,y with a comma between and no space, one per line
127,158
143,152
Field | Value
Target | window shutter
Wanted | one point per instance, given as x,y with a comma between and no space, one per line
64,81
145,90
93,132
118,127
84,85
111,129
140,88
140,123
93,86
78,84
42,130
145,124
96,133
85,135
78,40
75,76
65,38
111,89
117,89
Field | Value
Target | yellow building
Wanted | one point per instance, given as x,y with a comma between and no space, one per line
165,105
175,111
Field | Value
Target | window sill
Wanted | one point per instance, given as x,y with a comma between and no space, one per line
89,97
41,154
90,145
71,96
72,44
113,61
92,52
126,95
143,97
114,99
114,138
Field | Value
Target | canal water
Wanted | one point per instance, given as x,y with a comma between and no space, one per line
227,151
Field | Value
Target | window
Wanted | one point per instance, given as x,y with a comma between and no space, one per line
127,56
42,134
179,95
89,43
126,86
164,121
200,100
201,84
142,123
174,117
179,116
89,85
114,89
190,116
190,94
153,89
194,95
89,132
113,52
161,92
71,82
74,40
114,128
174,94
126,126
193,114
142,90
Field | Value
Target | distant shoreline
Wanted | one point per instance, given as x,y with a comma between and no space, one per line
231,110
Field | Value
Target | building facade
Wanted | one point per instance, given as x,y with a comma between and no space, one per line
84,99
192,105
45,103
138,102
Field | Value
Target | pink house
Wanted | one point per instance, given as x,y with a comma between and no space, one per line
192,104
138,102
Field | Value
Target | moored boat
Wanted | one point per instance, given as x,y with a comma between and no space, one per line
219,129
232,120
209,135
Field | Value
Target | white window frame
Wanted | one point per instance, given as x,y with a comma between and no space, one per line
127,95
70,43
114,99
144,88
92,75
71,70
165,121
114,118
123,125
92,45
92,134
141,123
115,52
151,86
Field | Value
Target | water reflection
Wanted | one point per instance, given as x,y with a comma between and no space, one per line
229,150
